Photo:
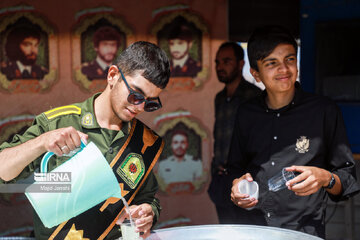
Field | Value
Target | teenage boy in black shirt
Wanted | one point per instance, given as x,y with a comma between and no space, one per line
288,128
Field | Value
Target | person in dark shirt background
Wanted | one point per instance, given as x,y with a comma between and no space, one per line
292,129
229,65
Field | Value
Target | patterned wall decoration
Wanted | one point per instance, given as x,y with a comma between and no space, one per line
185,38
97,40
182,168
28,51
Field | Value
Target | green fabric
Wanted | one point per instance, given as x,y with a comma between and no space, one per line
108,141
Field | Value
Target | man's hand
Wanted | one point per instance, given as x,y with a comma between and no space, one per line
144,216
63,140
311,180
239,199
60,141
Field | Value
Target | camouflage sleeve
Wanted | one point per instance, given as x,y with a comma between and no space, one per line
38,127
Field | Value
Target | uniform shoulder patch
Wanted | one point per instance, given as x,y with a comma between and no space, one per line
87,119
64,110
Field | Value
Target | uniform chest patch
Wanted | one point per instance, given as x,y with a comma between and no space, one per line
302,144
132,169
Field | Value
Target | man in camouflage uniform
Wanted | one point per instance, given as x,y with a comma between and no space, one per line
108,120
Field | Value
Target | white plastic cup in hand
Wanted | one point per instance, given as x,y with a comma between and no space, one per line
128,230
250,188
278,182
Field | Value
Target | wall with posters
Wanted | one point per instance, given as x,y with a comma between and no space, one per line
69,45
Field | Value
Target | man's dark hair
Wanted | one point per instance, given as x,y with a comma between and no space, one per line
147,58
264,40
182,32
106,33
238,50
15,37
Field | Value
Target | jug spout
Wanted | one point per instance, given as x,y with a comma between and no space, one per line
118,195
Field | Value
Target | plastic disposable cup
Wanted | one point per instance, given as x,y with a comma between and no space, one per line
250,188
278,182
128,230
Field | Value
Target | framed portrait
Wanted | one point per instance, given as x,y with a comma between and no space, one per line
97,41
184,36
182,166
28,56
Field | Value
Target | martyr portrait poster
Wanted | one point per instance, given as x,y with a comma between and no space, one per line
185,38
97,41
28,56
183,165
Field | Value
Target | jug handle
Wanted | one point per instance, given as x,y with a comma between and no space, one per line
48,155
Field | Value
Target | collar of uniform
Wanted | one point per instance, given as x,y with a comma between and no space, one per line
180,62
23,67
126,127
88,116
88,119
101,63
294,102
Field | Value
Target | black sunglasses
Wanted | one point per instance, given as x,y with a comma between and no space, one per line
137,98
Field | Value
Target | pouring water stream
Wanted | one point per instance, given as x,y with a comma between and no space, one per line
128,210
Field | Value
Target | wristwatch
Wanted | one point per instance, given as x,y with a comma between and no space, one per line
332,182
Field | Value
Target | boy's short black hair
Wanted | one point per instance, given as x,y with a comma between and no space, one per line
264,40
148,58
